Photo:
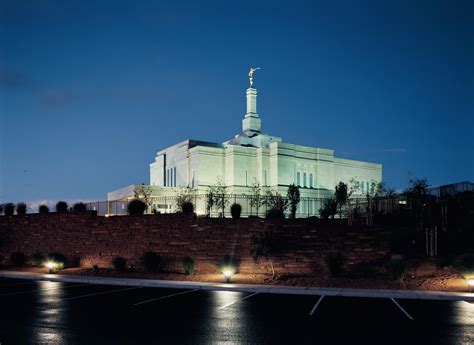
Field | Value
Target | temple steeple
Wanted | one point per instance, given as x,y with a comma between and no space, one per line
251,121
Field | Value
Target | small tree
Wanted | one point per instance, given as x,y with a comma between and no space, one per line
329,208
222,199
417,194
341,195
293,196
334,262
256,197
136,207
150,261
264,246
79,207
185,200
21,208
119,264
43,209
9,209
210,200
61,207
143,193
276,204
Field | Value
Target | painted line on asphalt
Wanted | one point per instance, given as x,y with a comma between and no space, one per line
316,305
101,293
40,289
163,297
401,308
238,300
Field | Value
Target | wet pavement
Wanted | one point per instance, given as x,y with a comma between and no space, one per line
44,312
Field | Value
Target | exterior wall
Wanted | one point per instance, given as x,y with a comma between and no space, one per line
90,240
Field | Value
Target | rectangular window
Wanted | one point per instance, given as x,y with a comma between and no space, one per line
167,177
265,181
304,180
192,178
298,183
310,180
246,177
174,176
362,188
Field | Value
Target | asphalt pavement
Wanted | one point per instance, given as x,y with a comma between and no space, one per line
45,312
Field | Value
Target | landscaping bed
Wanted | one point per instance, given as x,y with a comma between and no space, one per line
421,275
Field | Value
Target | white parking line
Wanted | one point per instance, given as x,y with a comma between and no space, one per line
316,305
163,297
401,308
39,289
238,300
101,293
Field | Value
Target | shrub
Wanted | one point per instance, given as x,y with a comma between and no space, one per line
329,208
465,265
136,207
17,259
150,261
37,259
61,207
275,213
397,267
228,263
95,268
333,261
9,209
119,264
79,207
264,245
43,209
187,207
21,208
188,265
235,211
58,258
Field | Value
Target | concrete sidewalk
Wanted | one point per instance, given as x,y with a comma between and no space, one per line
274,289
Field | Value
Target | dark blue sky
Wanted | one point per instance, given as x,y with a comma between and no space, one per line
90,90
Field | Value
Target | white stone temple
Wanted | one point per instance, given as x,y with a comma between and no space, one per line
251,156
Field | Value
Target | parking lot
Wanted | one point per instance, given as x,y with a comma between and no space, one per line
45,312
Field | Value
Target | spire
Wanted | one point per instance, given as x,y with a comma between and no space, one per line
251,121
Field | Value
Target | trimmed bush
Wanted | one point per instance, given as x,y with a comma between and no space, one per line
37,259
9,209
150,261
333,261
17,259
136,207
235,211
61,207
58,258
228,262
43,209
465,265
188,265
397,267
79,207
119,264
275,213
21,208
187,207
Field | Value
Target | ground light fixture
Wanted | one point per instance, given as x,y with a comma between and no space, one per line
227,275
51,265
470,284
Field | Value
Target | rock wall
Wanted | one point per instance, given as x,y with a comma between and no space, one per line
88,239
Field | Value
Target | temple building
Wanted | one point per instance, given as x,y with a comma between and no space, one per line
252,156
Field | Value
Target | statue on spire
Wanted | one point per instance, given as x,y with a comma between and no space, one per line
251,74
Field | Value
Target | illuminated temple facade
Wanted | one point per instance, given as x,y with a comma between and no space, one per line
251,156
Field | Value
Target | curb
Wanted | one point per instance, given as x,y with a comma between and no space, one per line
273,289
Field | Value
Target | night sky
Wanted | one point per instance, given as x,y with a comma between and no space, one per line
90,90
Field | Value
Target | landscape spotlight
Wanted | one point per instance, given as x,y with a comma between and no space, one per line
470,283
227,275
51,266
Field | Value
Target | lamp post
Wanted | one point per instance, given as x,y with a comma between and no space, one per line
470,285
51,266
227,275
